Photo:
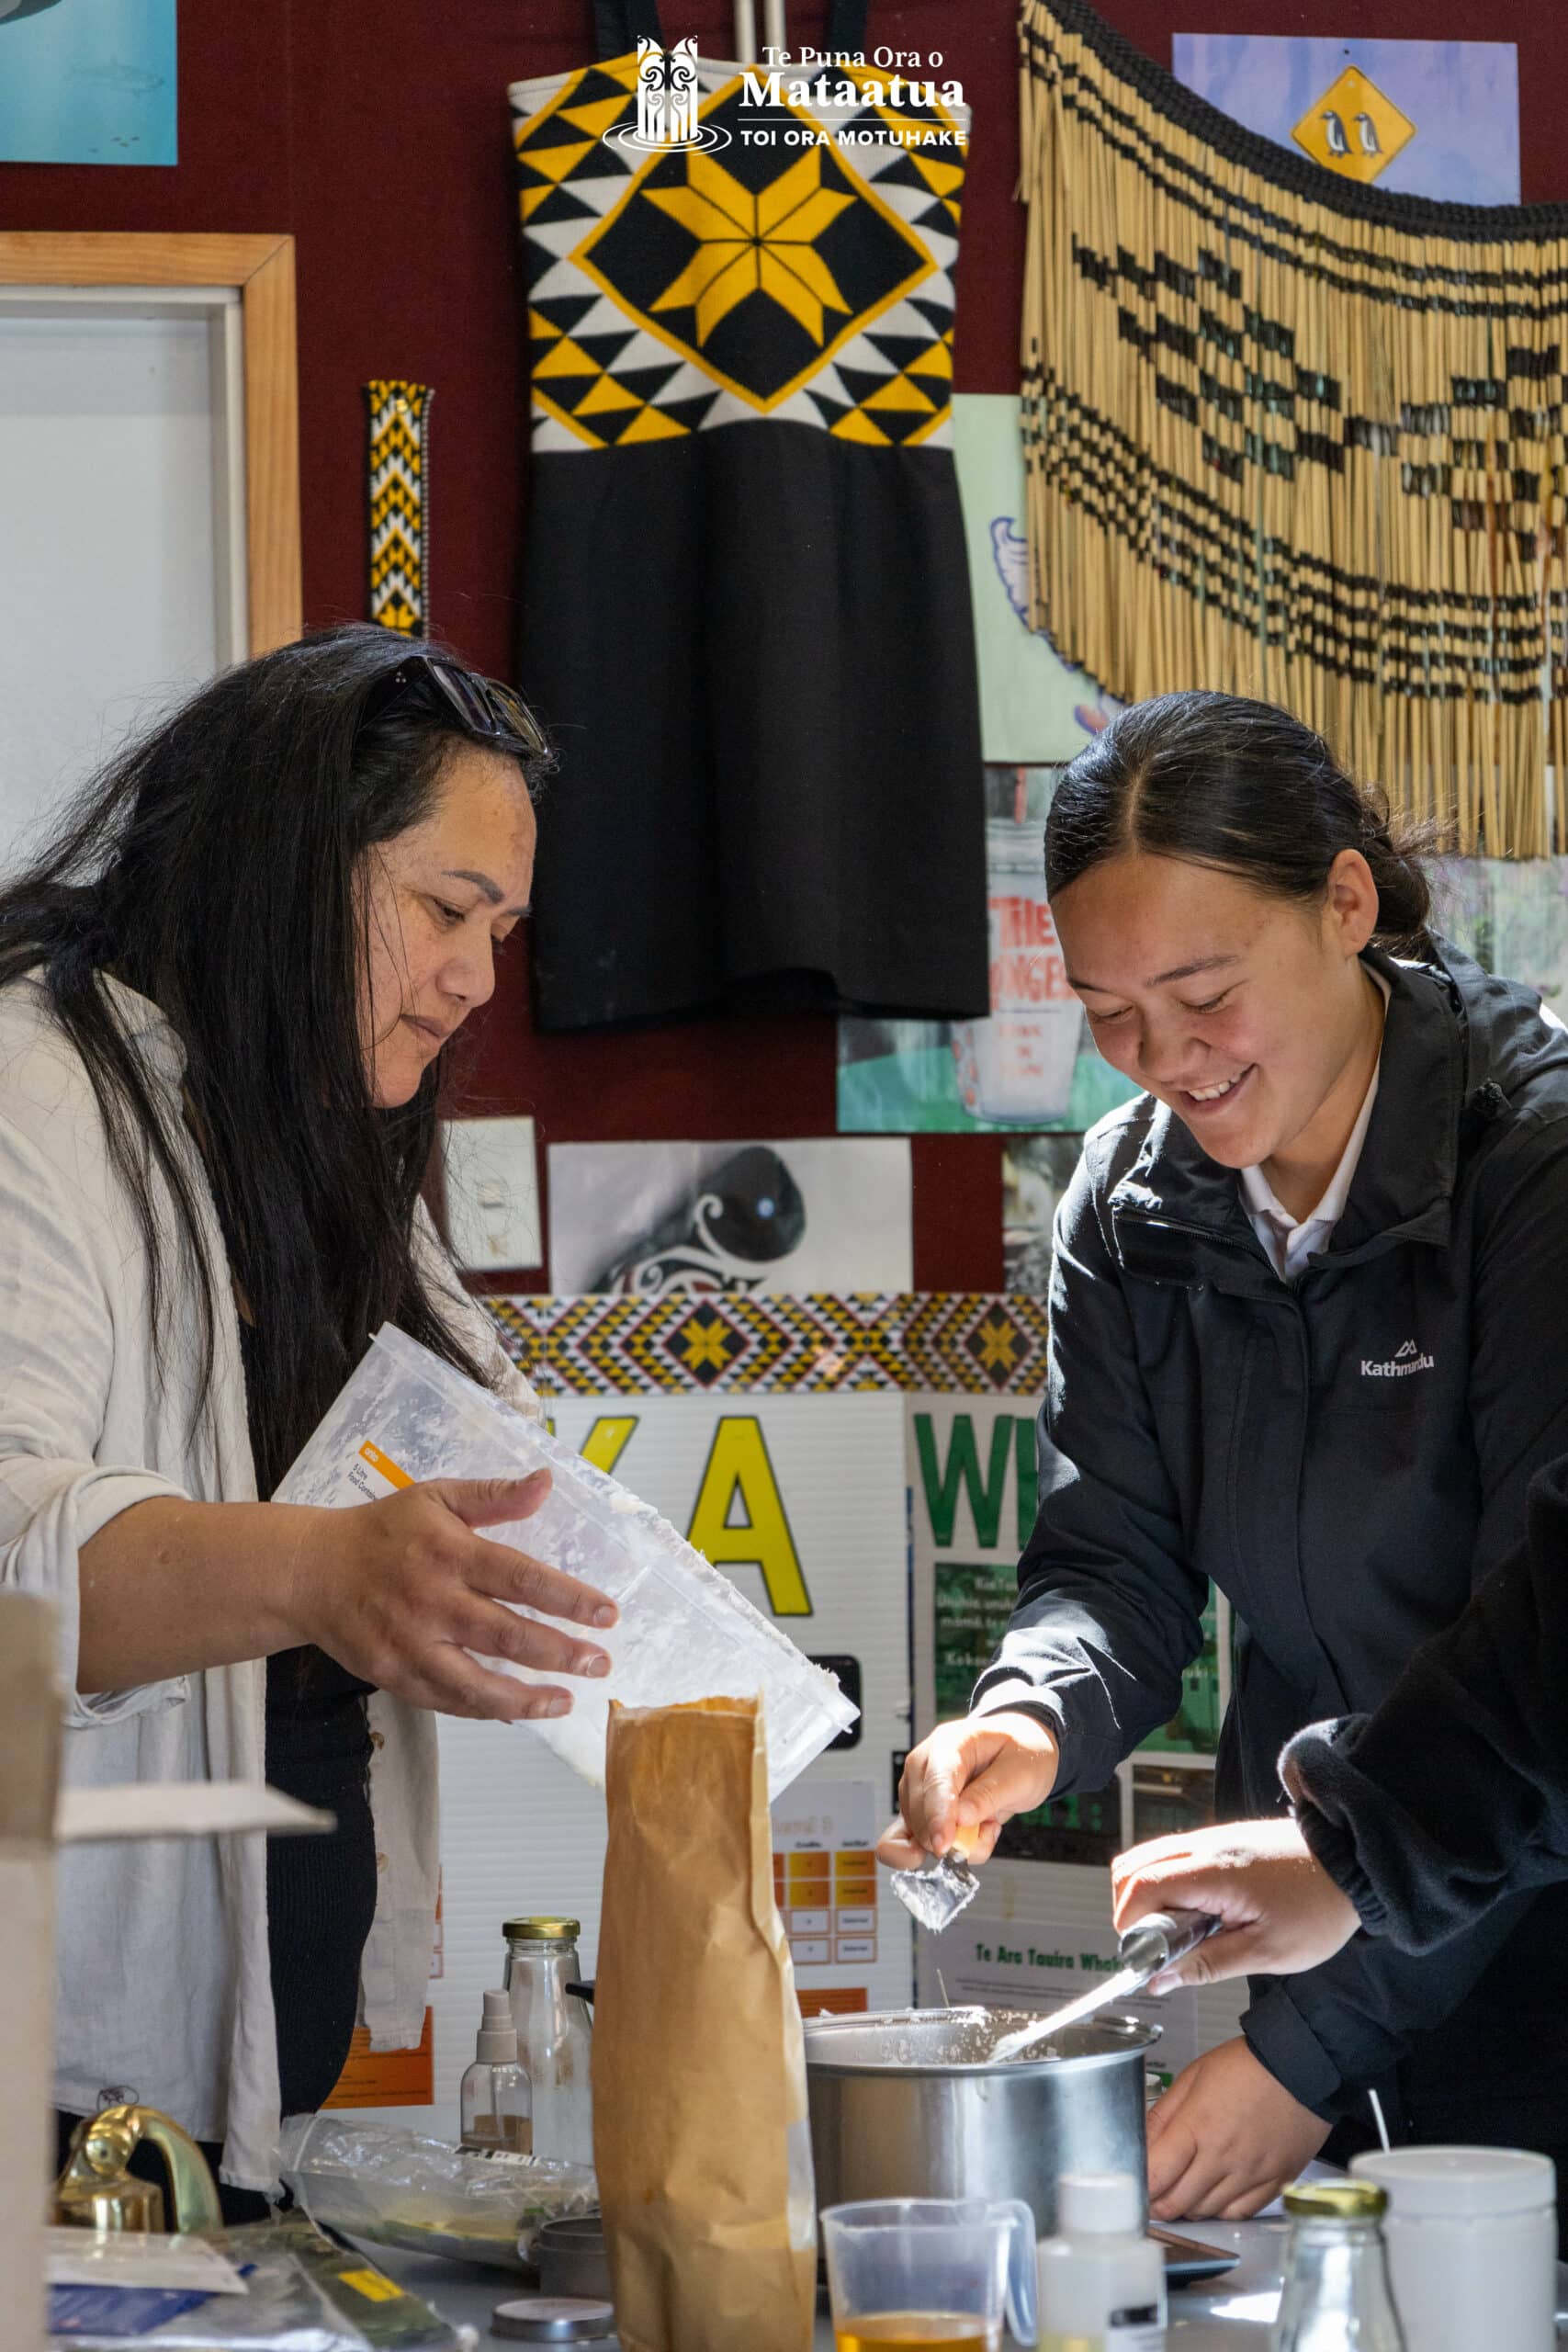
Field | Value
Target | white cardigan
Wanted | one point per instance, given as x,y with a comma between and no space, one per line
164,1979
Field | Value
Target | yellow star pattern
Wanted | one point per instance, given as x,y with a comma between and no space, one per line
702,1345
998,1345
762,244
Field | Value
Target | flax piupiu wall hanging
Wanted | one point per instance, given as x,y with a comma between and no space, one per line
1294,438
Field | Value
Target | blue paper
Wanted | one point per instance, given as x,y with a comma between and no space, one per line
118,2311
87,82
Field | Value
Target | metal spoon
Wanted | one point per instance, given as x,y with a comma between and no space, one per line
1145,1950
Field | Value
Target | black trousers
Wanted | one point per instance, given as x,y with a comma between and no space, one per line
320,1899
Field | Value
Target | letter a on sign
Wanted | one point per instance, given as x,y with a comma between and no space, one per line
739,1519
608,1438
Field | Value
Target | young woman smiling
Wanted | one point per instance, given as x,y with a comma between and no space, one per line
1305,1343
224,992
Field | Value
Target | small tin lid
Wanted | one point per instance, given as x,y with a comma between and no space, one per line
554,2319
1336,2200
558,1931
1459,2183
572,2229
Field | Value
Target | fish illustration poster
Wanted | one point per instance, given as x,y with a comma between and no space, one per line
87,82
1033,705
1418,117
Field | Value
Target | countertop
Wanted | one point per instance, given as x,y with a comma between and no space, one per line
1230,2314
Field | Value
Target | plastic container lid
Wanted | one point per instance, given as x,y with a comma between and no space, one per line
554,2319
1459,2183
541,1931
1098,2204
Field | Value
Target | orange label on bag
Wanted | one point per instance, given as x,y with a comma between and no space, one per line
387,2078
393,1473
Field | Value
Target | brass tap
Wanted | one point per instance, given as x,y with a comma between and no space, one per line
97,2191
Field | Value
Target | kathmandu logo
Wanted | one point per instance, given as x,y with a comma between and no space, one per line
1404,1360
668,95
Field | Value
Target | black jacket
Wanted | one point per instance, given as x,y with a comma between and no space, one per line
1456,1791
1344,1456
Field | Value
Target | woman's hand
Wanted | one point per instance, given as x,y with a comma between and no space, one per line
971,1775
1225,2139
1282,1912
402,1589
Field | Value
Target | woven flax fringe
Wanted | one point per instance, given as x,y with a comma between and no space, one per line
1292,438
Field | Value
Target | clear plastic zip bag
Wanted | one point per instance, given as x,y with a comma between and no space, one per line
944,1885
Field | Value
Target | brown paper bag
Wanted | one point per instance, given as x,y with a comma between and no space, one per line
701,2140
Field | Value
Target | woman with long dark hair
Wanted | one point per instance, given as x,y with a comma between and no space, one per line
1306,1342
225,989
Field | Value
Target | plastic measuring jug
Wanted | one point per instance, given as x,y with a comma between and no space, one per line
942,2272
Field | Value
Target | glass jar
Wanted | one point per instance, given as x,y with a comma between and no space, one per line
1335,2295
553,2044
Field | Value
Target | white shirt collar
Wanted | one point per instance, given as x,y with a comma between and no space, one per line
1290,1241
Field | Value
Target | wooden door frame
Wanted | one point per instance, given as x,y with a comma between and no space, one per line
262,270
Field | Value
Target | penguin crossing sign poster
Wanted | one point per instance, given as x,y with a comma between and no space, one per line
1353,127
1417,118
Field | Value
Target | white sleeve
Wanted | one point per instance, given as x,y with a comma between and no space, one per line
469,1321
57,1349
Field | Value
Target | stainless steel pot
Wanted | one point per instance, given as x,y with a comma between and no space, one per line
909,2103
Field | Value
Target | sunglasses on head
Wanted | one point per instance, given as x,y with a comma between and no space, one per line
484,709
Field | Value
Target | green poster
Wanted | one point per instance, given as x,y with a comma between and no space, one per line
972,1601
973,1475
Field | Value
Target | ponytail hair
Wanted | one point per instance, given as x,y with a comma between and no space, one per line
1243,787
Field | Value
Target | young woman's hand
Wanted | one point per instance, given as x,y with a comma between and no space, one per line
402,1589
971,1775
1282,1912
1225,2139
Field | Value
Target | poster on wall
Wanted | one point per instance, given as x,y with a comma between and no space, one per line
1040,1931
88,85
1035,705
1036,1172
1032,1064
642,1219
1417,118
1511,915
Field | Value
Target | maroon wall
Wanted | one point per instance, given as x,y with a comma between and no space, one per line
378,137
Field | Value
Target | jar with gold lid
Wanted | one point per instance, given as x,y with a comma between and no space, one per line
1336,2296
553,2040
